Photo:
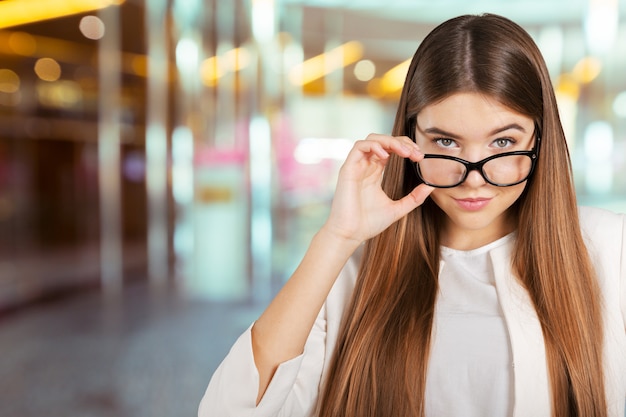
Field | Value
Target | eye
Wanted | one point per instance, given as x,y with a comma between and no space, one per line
503,143
445,142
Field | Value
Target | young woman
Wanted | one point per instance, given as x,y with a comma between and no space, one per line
481,289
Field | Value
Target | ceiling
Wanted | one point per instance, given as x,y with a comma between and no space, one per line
525,12
389,34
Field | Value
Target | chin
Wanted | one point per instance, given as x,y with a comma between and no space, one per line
493,218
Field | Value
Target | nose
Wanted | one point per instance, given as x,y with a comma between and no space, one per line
474,179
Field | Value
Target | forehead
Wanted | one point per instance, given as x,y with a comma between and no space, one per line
471,112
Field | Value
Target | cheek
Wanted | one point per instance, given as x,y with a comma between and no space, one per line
512,194
439,196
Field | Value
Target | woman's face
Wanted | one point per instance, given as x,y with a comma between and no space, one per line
472,127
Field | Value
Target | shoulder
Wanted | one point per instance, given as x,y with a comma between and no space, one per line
601,225
604,233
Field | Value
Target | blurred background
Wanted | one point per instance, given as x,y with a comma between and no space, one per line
164,163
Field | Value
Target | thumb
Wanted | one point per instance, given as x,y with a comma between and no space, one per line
413,200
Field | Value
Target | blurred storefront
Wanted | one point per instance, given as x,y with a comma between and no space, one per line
195,143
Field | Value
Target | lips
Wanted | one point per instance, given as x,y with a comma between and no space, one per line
473,204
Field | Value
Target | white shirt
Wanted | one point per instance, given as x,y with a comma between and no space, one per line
470,347
294,389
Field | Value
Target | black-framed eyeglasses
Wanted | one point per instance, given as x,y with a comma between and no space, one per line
502,170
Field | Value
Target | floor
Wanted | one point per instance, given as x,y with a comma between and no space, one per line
140,355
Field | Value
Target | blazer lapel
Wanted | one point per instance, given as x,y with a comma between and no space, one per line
531,387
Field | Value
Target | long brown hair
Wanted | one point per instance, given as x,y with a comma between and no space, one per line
380,361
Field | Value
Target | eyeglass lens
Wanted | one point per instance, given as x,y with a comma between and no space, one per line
505,170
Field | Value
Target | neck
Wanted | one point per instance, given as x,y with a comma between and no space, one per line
467,239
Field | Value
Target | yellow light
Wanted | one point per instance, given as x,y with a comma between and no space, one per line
215,67
375,89
9,81
62,94
48,69
210,71
138,65
237,59
22,43
323,64
25,44
393,80
20,12
587,70
567,86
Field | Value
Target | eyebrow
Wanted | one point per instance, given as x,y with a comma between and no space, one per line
437,131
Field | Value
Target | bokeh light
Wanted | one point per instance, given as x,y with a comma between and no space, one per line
48,69
587,70
22,43
62,94
9,81
364,70
619,104
92,27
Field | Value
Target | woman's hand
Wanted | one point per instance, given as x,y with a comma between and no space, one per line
360,208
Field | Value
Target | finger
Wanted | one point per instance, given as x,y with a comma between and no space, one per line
421,193
400,145
416,153
408,148
366,151
412,200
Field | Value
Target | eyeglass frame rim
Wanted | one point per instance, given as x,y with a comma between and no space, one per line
533,154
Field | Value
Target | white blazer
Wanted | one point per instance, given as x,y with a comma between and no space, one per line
295,386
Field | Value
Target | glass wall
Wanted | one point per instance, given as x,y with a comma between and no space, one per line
195,144
72,147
